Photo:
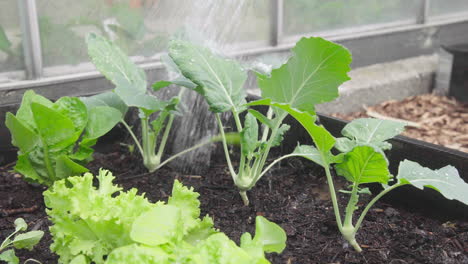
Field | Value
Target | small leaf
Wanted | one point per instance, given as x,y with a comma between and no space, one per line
27,240
65,167
370,131
9,256
445,180
263,119
311,76
310,153
270,235
161,84
276,141
364,165
249,135
219,80
20,224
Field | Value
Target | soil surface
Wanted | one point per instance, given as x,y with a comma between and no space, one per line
436,119
294,195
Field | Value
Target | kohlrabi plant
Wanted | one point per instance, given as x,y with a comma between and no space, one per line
104,224
55,139
17,240
310,76
362,160
131,91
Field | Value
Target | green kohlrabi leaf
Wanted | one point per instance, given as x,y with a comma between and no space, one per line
311,153
445,180
369,131
249,136
323,140
27,240
263,119
364,164
101,119
9,257
20,224
219,80
160,225
311,76
5,43
115,65
106,99
276,141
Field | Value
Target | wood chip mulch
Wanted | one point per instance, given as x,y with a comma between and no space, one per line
435,119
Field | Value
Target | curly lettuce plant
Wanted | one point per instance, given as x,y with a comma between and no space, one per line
17,240
311,76
55,139
104,224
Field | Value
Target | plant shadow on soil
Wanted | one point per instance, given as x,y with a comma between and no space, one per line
294,195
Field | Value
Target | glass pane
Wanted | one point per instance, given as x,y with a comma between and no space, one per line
143,27
306,16
11,51
444,7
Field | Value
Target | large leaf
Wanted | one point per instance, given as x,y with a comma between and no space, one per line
101,119
55,129
21,136
369,131
445,180
218,79
74,109
25,113
28,240
364,165
115,65
106,99
311,76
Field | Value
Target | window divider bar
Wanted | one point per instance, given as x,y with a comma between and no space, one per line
423,13
277,22
31,39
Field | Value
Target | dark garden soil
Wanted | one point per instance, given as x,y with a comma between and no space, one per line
436,119
294,196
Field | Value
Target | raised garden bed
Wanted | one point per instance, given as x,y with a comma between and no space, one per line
434,119
293,195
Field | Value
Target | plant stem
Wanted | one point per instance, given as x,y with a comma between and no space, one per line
32,260
331,187
183,152
165,136
372,202
149,158
226,150
242,157
351,207
135,139
276,161
244,197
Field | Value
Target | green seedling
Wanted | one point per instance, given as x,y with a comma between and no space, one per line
19,239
